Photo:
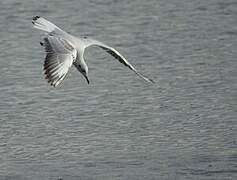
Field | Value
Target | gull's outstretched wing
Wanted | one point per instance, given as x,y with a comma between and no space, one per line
116,55
60,55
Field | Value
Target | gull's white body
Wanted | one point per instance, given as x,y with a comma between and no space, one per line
64,50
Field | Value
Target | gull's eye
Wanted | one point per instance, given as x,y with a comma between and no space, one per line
79,66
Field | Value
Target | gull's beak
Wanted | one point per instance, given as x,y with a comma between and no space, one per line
87,80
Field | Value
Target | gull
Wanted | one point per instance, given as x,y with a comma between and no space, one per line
64,50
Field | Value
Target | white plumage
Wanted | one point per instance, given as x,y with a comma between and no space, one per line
63,50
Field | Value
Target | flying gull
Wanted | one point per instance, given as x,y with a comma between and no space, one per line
64,50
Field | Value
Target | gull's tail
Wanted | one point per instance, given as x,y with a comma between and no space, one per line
44,25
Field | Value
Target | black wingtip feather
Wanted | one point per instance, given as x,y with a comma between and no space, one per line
152,81
35,18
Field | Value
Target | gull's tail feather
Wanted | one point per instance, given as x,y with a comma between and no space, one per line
44,25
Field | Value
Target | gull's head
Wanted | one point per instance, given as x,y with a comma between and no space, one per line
82,67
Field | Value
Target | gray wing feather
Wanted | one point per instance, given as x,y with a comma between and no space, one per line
60,55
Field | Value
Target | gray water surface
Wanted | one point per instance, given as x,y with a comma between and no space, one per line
119,127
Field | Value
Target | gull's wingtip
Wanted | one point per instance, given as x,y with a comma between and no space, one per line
149,80
35,18
145,77
152,81
43,24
